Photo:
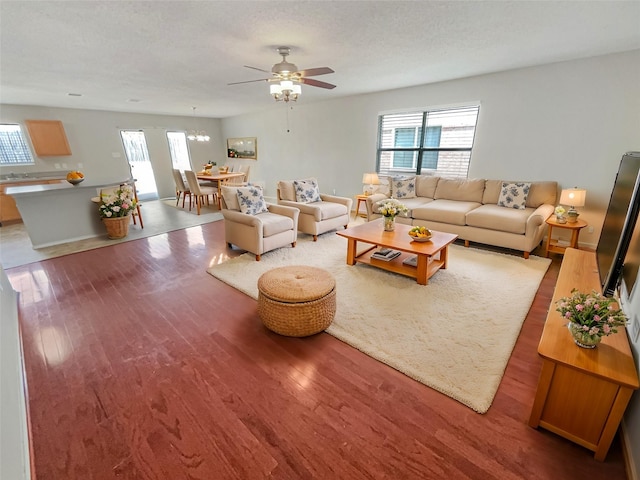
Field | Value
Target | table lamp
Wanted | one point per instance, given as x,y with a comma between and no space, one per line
574,197
369,180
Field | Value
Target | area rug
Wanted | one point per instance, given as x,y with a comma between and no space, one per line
455,334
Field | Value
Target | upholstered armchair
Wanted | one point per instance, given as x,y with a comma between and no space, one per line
254,225
319,212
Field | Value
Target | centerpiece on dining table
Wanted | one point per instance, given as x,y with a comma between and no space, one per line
389,209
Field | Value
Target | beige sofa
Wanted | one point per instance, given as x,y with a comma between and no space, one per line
469,208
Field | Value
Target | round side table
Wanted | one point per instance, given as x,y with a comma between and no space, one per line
552,245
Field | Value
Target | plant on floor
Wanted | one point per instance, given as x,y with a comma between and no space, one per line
118,204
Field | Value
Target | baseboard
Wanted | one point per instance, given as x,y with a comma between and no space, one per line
629,462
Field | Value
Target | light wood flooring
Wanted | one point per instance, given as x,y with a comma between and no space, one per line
140,365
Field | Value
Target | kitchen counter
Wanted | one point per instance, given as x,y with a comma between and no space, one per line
59,212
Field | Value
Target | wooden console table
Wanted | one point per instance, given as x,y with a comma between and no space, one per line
582,394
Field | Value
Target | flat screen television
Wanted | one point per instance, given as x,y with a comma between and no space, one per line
619,222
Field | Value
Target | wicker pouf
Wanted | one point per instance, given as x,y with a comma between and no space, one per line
296,301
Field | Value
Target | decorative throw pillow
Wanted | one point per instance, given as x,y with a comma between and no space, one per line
403,187
307,190
514,195
251,200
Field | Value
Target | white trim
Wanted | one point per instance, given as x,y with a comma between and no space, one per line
433,108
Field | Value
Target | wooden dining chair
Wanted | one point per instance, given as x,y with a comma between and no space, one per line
201,193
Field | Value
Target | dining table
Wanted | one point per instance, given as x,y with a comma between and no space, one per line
221,179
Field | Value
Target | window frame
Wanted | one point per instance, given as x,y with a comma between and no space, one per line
23,144
186,143
422,150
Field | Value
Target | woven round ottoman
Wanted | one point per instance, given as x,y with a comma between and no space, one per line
296,301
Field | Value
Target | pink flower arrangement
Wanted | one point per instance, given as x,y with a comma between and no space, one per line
593,313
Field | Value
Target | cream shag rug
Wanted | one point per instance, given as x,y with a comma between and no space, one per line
455,334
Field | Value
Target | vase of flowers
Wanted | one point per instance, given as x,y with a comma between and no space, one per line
591,316
560,211
116,209
389,209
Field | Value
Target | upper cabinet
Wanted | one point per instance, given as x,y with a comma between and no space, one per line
48,138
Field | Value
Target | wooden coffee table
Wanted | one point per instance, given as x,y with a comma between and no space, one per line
373,234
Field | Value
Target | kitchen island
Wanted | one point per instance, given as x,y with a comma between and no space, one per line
61,212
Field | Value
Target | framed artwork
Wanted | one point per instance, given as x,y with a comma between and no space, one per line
246,147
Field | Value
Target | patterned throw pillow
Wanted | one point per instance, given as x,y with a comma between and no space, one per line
403,187
251,200
307,190
513,195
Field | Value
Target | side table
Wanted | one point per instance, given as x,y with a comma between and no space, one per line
359,199
575,227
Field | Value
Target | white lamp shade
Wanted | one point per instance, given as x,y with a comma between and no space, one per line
275,89
574,197
286,85
370,179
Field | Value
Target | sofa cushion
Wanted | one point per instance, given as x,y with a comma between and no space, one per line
426,186
458,189
445,211
251,200
540,193
307,190
495,217
230,195
273,224
514,195
330,209
403,187
286,191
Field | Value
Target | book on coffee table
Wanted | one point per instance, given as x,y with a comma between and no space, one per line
385,254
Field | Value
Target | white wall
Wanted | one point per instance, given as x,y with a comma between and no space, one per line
570,122
14,438
94,138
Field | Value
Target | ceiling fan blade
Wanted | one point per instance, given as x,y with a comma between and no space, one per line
315,83
250,81
256,68
312,72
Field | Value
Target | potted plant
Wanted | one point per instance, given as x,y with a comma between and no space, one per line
389,208
115,210
591,316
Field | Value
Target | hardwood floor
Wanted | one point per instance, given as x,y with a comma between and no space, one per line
140,365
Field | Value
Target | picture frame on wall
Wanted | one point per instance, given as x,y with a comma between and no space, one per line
245,147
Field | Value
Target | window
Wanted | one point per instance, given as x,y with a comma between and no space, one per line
13,149
443,149
179,151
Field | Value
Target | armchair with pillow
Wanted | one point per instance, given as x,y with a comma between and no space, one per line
254,225
319,212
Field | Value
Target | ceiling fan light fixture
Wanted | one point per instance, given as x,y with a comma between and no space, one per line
285,91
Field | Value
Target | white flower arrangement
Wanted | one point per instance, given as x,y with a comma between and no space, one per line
560,210
391,207
119,204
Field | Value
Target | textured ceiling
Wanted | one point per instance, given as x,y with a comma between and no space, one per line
166,56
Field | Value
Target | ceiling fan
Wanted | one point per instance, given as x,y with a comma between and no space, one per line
285,71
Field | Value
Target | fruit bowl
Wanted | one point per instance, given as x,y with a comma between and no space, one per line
421,239
420,234
75,181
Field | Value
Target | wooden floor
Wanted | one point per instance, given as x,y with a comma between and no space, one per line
140,365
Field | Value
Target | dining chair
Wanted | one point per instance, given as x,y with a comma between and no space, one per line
201,193
181,188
